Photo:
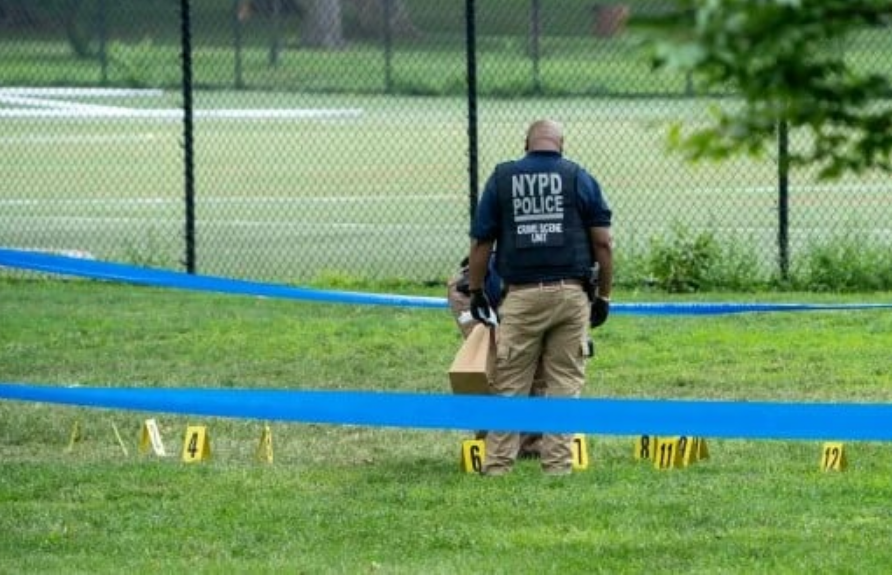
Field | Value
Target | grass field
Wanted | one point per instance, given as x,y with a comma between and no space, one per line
346,499
301,187
305,187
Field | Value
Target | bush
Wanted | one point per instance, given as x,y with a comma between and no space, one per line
685,262
844,264
682,262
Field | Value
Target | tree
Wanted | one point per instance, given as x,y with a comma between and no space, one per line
322,26
783,58
17,13
80,18
371,17
321,21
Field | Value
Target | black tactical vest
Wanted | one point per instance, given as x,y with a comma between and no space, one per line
542,237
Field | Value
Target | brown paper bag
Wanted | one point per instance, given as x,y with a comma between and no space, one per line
474,362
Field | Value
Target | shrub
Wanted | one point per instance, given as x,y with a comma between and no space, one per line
843,264
682,262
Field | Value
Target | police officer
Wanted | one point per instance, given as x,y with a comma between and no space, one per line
551,224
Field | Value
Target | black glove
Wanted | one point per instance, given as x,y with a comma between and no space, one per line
600,311
481,309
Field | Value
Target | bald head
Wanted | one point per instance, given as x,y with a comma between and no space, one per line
545,136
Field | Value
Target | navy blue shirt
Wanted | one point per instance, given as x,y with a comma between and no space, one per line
593,208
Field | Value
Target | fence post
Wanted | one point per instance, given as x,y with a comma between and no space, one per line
102,25
237,40
471,48
276,42
386,11
783,200
188,145
535,35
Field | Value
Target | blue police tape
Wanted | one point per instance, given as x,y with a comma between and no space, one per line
42,262
49,263
718,419
604,416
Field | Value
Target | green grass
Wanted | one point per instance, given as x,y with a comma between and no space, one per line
435,67
346,499
384,197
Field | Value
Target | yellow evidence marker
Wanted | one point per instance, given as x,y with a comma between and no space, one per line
76,436
265,449
645,447
693,449
702,449
197,444
833,456
120,441
150,438
668,453
580,452
472,454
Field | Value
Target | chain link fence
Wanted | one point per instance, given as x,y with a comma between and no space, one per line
321,140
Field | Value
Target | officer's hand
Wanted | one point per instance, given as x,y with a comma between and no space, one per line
600,311
481,310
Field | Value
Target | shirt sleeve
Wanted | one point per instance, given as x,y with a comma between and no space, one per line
485,226
593,206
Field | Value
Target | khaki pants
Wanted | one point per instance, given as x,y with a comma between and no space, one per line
460,306
541,328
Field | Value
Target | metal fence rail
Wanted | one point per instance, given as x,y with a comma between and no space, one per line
295,140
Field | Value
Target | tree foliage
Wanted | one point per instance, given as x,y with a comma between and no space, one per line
785,59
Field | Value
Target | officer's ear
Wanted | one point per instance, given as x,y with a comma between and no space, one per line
526,144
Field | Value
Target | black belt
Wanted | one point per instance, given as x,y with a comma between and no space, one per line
552,285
